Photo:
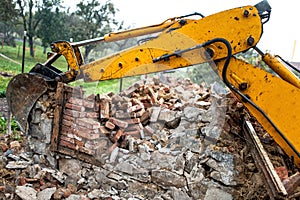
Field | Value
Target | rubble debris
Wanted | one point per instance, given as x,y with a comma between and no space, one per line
26,193
292,182
171,140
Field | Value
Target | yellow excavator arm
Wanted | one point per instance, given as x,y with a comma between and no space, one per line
182,42
187,39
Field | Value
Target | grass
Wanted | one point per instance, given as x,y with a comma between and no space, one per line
14,125
101,87
13,68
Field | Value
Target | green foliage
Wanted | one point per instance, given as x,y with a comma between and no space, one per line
16,136
2,93
3,84
8,19
14,126
93,20
52,21
2,125
7,12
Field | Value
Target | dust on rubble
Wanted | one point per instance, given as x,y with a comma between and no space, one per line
201,156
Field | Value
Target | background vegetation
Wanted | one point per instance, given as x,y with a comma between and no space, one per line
46,21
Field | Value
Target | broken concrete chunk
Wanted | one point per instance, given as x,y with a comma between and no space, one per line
215,193
155,111
26,193
167,115
192,113
46,194
166,178
17,164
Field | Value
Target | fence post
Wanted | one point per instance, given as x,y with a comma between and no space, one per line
23,57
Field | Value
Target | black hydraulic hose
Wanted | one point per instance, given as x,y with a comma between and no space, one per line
196,13
289,64
228,84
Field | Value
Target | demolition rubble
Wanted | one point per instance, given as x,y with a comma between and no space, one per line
155,140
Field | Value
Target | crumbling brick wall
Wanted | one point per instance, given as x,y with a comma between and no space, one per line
153,140
93,125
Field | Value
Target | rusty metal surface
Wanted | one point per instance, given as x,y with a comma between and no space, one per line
22,93
57,116
273,183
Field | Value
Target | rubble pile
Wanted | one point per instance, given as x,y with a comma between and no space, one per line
171,140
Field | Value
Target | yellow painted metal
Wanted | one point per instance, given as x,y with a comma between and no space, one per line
231,25
276,97
281,70
140,31
72,54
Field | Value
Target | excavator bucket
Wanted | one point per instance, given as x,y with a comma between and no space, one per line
22,93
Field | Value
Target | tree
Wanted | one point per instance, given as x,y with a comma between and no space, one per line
51,26
8,18
31,14
95,21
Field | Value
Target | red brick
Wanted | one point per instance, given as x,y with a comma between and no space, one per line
86,133
67,123
103,130
119,123
96,106
145,117
67,134
79,143
88,104
282,172
66,129
117,136
121,114
135,101
72,137
133,121
85,150
140,113
69,118
110,125
74,113
68,139
133,115
88,123
132,127
67,144
90,97
132,88
94,115
153,96
134,133
135,108
149,130
147,104
124,105
76,101
104,108
74,107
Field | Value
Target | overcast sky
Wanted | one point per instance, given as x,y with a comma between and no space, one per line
279,36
